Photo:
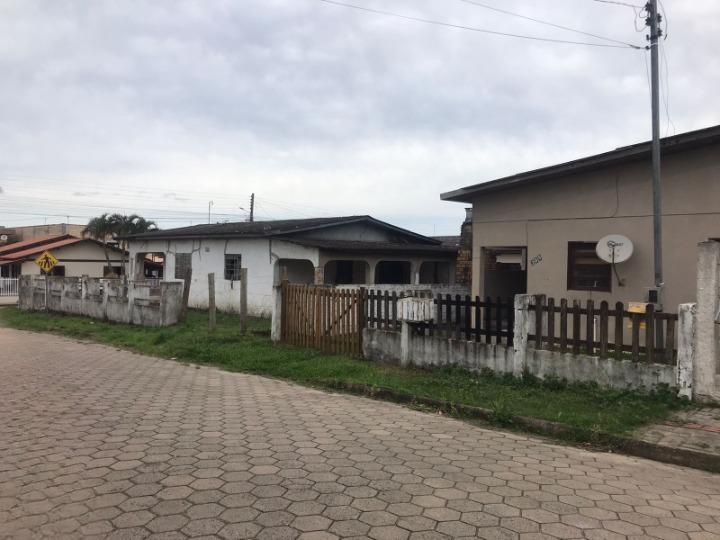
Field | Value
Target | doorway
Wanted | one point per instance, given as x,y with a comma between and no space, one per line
505,271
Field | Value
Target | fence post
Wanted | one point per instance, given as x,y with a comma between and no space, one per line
524,322
276,328
211,301
243,300
187,279
361,318
686,349
706,373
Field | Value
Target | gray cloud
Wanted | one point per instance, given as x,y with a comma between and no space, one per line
315,107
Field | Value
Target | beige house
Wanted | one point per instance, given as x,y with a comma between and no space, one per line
536,232
76,257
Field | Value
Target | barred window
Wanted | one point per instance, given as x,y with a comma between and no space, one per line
233,264
586,271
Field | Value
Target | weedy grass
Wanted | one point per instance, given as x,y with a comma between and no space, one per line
587,406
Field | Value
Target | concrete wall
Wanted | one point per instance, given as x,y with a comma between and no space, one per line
141,303
426,351
585,207
82,259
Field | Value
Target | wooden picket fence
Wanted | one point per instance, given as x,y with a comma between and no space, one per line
323,318
458,317
572,328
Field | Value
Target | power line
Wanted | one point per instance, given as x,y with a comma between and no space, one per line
666,93
548,23
474,29
626,4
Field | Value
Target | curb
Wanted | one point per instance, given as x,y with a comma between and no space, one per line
599,440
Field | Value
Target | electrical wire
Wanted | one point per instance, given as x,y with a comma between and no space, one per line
665,18
666,93
626,4
475,29
540,21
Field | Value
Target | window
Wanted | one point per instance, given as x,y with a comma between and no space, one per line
58,271
233,264
586,271
183,262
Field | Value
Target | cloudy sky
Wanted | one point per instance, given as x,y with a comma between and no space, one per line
159,107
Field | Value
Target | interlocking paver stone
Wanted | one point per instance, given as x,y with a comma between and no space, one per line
104,443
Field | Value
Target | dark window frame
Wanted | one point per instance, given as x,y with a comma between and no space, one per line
232,266
583,249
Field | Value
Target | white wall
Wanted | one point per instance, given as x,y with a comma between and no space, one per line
259,256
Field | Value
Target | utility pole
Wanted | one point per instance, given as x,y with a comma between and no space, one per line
653,21
252,207
210,205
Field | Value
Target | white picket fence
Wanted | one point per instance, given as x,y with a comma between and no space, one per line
8,286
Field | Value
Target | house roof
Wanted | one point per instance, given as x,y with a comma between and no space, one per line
28,249
376,247
625,154
270,229
450,241
26,244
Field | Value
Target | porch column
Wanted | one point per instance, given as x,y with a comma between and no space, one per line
415,272
370,275
319,275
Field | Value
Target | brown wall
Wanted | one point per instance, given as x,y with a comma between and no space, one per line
585,207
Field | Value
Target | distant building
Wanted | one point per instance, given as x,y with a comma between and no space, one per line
356,250
29,232
76,257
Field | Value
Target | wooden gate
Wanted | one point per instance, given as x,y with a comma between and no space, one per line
323,318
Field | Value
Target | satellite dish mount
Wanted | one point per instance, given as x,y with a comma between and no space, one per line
615,249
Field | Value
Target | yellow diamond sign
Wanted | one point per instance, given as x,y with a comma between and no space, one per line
46,261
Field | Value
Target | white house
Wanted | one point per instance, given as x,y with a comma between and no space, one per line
76,257
333,251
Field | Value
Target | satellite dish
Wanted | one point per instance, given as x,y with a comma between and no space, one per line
614,248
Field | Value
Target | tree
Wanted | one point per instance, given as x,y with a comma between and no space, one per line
124,226
101,228
117,227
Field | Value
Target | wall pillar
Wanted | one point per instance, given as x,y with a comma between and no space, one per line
706,372
319,275
524,325
686,356
276,319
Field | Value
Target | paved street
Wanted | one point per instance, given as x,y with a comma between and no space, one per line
105,443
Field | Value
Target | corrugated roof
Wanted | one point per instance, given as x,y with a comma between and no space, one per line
626,154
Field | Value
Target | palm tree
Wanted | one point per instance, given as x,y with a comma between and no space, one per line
117,227
124,226
101,228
